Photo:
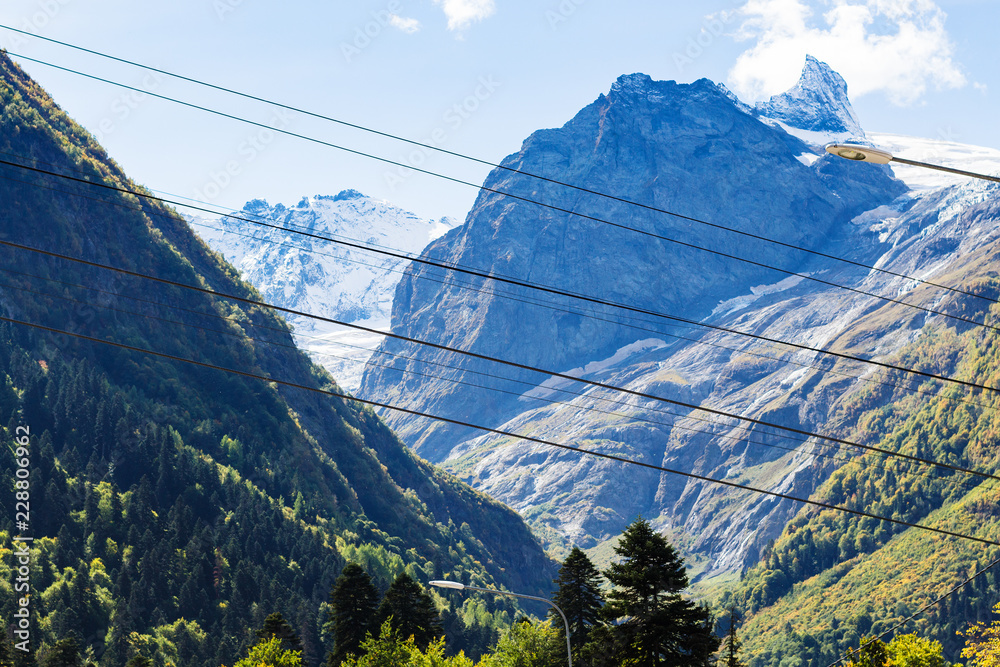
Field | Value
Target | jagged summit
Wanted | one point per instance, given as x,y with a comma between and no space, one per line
638,84
347,194
632,82
817,103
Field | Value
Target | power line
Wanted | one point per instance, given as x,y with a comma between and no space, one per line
456,422
622,200
491,164
592,314
510,296
673,424
527,285
540,441
234,334
483,357
504,193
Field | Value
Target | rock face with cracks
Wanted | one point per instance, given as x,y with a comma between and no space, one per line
696,151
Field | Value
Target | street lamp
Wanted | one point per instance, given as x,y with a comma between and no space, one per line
462,587
860,153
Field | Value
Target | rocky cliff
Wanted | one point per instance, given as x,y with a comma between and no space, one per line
690,149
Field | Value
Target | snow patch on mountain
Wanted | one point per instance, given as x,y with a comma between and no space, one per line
944,153
323,277
554,386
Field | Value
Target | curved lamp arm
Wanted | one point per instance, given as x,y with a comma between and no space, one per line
462,587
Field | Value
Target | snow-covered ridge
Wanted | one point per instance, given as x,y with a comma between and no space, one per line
817,103
322,277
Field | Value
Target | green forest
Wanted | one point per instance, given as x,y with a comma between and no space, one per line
175,506
831,579
181,515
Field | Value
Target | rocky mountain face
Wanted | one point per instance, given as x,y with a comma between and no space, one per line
695,150
320,277
817,103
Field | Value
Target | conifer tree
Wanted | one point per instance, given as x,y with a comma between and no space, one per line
64,653
353,604
731,645
580,598
657,626
410,611
275,625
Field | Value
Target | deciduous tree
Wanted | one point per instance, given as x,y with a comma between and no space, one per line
982,643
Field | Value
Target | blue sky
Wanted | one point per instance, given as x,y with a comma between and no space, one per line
473,76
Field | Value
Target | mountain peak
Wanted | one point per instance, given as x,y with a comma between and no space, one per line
637,81
817,103
348,194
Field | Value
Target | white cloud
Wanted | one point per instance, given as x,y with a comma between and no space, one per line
407,25
899,47
463,13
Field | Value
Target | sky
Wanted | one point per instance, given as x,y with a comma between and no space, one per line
470,76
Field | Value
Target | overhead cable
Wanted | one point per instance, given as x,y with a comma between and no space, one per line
484,357
540,441
496,165
504,193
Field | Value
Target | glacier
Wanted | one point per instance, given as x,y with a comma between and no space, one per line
321,277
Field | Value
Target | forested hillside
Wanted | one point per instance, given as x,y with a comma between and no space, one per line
832,578
173,506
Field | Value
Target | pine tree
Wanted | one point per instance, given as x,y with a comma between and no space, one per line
657,626
64,653
580,598
353,604
275,625
410,611
731,645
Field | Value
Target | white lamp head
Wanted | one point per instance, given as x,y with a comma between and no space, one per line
448,584
859,153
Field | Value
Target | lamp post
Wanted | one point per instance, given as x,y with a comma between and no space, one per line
462,587
860,153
